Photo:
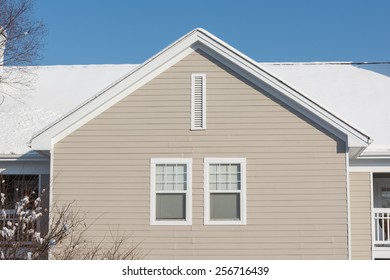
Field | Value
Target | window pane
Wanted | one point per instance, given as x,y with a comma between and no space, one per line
225,177
223,186
160,187
213,168
181,178
169,169
159,178
171,177
169,186
235,177
213,186
225,206
223,168
234,168
213,178
385,197
170,206
159,168
181,169
181,187
235,186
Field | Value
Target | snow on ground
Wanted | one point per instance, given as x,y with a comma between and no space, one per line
358,93
55,91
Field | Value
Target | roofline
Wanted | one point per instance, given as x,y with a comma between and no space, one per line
197,38
369,140
136,68
325,63
366,138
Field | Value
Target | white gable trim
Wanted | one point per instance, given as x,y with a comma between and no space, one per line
159,63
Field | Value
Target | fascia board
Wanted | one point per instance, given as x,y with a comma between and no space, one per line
369,165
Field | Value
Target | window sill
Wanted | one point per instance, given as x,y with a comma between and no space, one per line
171,223
225,223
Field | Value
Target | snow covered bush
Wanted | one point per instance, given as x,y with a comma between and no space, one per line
20,235
31,232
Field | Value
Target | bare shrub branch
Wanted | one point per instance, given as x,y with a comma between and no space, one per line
27,233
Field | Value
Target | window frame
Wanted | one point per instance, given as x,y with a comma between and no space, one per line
153,191
207,191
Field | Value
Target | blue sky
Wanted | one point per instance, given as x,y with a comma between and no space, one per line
131,31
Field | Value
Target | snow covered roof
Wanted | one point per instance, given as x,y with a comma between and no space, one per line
202,40
358,93
55,91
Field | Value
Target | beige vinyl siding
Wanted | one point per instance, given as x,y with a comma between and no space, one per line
360,189
296,180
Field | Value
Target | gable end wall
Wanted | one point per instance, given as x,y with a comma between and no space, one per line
296,172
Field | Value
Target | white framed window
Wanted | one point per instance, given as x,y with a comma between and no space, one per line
225,191
198,101
171,191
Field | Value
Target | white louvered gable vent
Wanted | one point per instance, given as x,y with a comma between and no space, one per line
198,101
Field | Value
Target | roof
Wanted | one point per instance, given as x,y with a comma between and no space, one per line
54,91
237,61
358,93
63,97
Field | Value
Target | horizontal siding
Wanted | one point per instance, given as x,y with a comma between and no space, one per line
296,188
360,189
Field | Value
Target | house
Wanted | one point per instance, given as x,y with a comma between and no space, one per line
202,153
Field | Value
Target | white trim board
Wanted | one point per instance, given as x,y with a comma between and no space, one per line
153,220
349,226
243,198
369,165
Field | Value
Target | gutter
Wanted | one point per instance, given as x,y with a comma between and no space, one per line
24,157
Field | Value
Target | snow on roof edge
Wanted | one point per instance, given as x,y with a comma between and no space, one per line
136,66
301,92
